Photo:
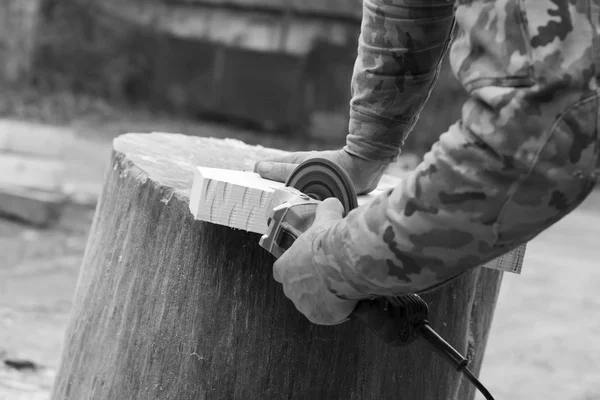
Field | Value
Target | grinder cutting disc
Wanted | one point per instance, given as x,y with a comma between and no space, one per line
321,178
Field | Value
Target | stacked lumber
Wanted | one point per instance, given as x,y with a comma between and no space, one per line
31,172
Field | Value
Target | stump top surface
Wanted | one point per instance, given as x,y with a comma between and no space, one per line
169,159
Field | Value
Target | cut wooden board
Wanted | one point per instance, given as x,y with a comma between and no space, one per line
34,139
31,172
241,200
34,206
509,262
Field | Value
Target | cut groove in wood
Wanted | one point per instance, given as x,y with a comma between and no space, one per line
509,262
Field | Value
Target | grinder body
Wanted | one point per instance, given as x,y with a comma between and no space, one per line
293,213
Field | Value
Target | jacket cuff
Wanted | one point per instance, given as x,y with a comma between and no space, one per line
376,139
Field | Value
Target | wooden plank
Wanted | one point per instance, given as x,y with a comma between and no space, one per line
37,139
34,206
241,200
511,261
236,199
31,172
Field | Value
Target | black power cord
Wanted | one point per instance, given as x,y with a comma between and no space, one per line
477,384
399,321
447,352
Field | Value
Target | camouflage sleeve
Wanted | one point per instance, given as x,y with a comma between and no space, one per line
399,53
523,155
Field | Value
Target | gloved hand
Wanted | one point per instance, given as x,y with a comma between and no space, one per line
365,174
301,280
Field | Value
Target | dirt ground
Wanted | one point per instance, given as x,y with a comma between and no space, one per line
543,342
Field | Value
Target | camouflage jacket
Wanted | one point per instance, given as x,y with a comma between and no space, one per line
521,157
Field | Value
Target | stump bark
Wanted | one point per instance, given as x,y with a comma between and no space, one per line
168,307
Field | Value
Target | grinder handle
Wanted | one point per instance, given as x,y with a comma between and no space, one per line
395,320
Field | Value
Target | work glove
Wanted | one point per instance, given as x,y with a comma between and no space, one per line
365,174
302,282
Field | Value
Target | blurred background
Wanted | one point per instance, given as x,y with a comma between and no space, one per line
75,74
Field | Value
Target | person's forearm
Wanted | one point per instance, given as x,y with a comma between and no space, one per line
473,198
522,156
399,53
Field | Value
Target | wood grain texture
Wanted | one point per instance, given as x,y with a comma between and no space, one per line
168,307
236,199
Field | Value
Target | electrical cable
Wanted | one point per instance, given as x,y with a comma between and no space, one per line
448,352
398,321
477,384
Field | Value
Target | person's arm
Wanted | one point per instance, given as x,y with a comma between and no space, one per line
521,158
400,49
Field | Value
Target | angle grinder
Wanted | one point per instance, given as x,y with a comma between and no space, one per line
293,207
398,321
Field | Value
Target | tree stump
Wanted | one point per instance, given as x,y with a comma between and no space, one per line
168,307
